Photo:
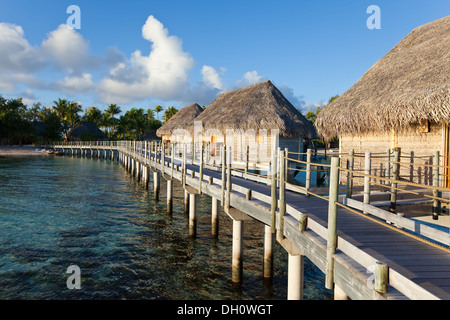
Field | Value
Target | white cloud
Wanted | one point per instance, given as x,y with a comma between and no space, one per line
252,77
68,50
211,77
76,84
16,54
249,78
162,74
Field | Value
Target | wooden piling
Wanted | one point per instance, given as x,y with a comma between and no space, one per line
214,217
295,276
268,252
436,202
156,185
192,215
169,196
237,252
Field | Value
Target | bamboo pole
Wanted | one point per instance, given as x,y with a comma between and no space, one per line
332,222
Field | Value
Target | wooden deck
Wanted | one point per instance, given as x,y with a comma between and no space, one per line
419,268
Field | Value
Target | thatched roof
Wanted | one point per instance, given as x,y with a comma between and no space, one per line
85,130
410,83
183,119
259,106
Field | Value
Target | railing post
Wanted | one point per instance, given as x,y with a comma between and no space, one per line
223,159
247,159
172,160
273,189
381,277
228,195
183,166
332,222
163,156
350,165
395,175
308,170
436,203
367,170
200,169
282,188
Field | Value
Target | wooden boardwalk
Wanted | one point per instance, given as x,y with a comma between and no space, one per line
418,267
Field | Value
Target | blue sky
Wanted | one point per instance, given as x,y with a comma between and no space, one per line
172,52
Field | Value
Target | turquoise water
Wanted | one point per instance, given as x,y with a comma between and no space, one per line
61,211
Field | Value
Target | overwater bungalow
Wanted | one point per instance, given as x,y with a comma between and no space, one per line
251,119
402,101
176,129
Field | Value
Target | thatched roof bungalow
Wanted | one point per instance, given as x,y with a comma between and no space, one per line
85,131
403,100
178,127
251,116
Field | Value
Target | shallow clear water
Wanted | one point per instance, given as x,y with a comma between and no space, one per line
61,211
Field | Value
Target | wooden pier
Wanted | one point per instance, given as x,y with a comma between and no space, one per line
364,251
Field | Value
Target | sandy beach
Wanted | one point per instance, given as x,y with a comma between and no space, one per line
22,151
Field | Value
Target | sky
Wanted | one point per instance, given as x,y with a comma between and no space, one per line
141,54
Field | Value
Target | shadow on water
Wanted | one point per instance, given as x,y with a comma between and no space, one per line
58,212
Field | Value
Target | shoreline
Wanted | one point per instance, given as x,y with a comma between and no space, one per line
25,150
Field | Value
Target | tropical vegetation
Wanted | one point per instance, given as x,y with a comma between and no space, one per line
20,124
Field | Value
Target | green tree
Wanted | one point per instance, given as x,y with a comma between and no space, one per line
61,106
123,125
53,128
111,111
158,109
72,115
15,126
92,114
169,113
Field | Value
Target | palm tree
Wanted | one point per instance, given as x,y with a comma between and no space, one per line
169,113
93,114
73,108
60,107
158,109
123,124
112,110
150,115
138,121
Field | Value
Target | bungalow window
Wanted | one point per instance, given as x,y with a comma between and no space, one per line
424,126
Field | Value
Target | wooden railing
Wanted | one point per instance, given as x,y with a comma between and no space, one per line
288,222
